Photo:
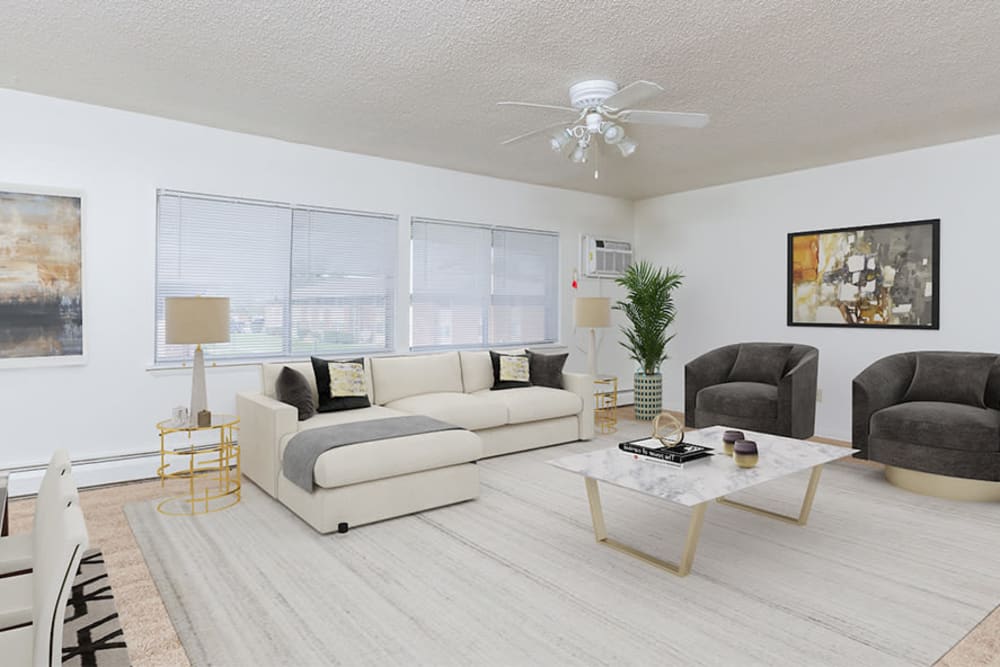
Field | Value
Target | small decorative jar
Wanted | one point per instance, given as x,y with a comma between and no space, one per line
728,438
745,453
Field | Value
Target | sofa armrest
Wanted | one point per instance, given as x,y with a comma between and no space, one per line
582,384
797,398
710,368
263,423
879,386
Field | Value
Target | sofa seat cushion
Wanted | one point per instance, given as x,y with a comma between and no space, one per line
464,410
740,399
944,425
531,404
380,459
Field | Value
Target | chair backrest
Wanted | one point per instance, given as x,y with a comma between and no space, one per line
59,542
49,495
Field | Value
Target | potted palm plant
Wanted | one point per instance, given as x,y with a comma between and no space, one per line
649,307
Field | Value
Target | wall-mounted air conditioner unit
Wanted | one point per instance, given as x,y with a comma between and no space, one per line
605,258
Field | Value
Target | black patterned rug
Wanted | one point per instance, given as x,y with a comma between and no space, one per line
92,635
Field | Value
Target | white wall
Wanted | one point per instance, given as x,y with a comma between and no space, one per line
119,159
731,240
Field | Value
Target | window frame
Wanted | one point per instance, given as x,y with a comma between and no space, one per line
557,306
287,333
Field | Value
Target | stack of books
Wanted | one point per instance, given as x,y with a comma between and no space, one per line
677,456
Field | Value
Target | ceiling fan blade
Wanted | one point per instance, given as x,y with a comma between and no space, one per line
538,106
671,118
632,94
533,133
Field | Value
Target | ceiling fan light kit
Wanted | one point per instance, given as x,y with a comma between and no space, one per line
601,108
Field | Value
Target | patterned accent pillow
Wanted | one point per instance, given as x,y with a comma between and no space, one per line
347,379
513,369
510,371
324,385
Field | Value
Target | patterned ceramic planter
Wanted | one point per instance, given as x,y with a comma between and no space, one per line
648,396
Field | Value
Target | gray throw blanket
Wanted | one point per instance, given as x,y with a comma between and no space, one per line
299,460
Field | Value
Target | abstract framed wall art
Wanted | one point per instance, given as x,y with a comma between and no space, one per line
41,277
878,276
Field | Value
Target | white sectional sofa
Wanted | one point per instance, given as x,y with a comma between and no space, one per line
371,481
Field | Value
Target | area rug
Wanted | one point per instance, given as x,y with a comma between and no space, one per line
880,577
92,633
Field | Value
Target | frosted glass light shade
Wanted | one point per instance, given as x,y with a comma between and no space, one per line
193,320
592,311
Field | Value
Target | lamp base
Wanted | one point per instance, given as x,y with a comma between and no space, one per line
199,397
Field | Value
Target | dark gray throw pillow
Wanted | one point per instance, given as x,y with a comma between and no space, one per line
501,382
546,369
760,362
951,377
292,387
328,403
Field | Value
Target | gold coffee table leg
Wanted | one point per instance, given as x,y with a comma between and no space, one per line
807,503
681,569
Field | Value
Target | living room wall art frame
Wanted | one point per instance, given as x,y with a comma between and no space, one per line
41,277
884,276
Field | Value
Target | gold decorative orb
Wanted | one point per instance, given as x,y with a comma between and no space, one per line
668,429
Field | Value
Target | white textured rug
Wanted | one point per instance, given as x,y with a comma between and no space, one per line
878,577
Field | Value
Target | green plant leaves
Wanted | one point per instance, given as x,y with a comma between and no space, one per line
650,310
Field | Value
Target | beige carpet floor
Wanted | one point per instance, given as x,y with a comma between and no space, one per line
151,637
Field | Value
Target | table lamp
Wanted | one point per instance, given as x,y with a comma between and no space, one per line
593,312
193,320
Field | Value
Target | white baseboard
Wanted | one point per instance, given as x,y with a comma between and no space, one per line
97,472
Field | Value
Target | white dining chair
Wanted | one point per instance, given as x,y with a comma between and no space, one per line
59,547
16,553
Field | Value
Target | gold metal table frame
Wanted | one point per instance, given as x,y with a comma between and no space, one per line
606,403
215,465
683,567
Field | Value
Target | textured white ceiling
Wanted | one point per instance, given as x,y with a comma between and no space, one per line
789,84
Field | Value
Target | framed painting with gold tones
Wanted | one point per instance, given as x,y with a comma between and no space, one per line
877,276
41,277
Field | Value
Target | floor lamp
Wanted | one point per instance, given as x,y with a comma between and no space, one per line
592,312
193,320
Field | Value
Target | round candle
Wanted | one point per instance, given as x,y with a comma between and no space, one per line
745,453
728,439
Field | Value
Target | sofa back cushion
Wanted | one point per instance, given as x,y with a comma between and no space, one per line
993,386
477,368
760,362
477,371
394,378
951,377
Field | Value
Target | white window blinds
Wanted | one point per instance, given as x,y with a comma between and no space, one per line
474,286
300,280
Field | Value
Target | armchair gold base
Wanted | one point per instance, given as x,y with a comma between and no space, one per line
943,486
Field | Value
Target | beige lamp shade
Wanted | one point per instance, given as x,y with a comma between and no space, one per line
197,319
592,311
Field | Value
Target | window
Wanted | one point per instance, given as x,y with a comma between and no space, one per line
475,286
301,280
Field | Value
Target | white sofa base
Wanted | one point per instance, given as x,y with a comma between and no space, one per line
530,435
368,502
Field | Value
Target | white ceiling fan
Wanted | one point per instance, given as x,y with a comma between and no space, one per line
600,109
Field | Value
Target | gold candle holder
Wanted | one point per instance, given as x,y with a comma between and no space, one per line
729,438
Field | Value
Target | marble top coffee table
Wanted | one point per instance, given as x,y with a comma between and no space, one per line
700,482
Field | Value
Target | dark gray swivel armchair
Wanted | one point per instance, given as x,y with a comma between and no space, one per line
933,412
766,387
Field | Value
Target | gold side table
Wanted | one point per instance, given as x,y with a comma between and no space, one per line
214,465
606,403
